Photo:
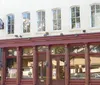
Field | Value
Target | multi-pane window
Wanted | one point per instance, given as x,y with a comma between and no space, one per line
41,20
95,15
75,17
56,19
26,22
10,23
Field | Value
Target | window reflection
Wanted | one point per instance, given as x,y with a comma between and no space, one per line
11,67
27,64
27,51
95,67
77,68
94,48
77,49
57,50
12,52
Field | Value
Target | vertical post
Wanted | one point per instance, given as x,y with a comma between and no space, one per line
35,66
67,64
48,67
87,64
3,75
19,53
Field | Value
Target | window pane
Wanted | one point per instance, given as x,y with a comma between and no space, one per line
73,14
54,69
10,24
73,10
57,50
77,9
77,14
42,71
41,21
27,51
12,52
77,67
11,66
59,14
57,19
77,49
95,67
27,66
59,24
26,22
61,68
94,48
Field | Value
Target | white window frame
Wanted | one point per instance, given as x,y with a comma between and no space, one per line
26,22
56,19
75,17
10,24
95,16
41,20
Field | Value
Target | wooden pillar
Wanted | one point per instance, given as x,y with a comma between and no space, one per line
48,67
19,53
35,66
67,65
3,75
87,65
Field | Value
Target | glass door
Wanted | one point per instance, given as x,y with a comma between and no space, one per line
58,72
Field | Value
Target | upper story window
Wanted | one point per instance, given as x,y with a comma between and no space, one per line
56,19
1,24
10,23
26,22
41,20
75,17
95,15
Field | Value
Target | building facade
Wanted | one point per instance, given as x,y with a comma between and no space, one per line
50,42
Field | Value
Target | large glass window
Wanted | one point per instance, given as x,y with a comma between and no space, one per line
95,15
77,67
27,63
41,20
56,19
26,22
75,17
95,67
10,23
11,63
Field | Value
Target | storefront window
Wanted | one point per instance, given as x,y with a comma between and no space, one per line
11,67
27,63
77,68
95,67
27,66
